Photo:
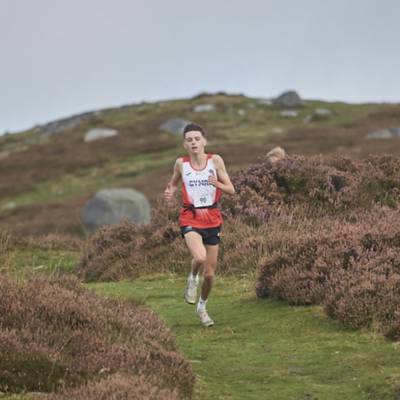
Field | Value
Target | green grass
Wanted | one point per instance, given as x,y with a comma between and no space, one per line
28,262
264,348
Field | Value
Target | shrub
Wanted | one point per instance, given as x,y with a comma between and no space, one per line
331,185
127,250
368,294
55,334
298,273
117,387
353,268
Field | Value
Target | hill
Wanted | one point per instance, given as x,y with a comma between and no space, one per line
48,173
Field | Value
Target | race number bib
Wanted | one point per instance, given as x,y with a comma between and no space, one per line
203,200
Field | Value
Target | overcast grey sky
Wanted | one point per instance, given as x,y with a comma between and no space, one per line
63,57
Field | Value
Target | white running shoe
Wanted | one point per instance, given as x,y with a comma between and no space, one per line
191,289
204,318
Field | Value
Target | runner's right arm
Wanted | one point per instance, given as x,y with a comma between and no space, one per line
174,181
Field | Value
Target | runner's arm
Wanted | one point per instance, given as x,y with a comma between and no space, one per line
174,181
223,182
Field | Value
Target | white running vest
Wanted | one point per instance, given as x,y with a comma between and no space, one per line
200,192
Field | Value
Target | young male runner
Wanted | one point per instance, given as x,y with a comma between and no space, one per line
204,179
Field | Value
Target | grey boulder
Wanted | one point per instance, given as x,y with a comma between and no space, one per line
288,99
72,122
111,206
174,125
389,133
99,133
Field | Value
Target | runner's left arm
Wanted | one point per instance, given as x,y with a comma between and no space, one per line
174,181
223,181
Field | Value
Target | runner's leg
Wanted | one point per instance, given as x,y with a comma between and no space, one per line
209,270
196,247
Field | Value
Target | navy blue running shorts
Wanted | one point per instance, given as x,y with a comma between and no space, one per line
210,236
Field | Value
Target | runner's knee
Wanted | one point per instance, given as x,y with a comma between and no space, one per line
209,274
200,258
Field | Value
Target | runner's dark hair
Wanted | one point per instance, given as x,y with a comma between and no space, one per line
193,127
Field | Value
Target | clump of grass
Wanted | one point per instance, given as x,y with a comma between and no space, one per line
5,254
49,242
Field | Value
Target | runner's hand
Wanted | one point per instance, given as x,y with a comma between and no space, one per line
168,192
213,180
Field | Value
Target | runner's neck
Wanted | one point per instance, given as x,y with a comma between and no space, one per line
198,160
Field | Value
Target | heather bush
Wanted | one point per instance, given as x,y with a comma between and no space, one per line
368,294
118,387
351,267
127,250
323,185
298,272
55,334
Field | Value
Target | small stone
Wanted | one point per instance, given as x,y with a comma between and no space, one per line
381,134
321,114
99,133
9,205
265,102
289,113
307,119
204,108
395,132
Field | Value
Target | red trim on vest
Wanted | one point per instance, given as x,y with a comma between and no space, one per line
185,196
187,159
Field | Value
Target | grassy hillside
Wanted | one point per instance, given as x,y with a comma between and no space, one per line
46,179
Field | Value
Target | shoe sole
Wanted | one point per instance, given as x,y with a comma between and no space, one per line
188,301
206,325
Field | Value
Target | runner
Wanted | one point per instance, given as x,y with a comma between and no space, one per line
204,179
275,155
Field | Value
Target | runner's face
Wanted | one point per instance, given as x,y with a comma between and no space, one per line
194,142
274,159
